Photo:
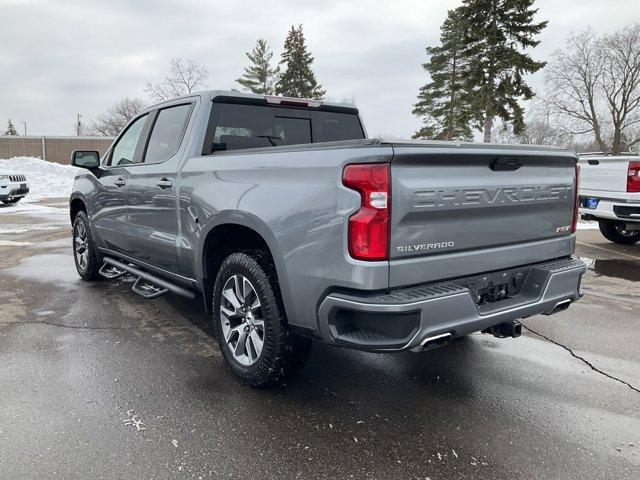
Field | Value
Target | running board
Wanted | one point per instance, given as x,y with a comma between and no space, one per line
148,290
147,285
110,272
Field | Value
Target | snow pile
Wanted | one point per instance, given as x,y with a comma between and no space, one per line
45,179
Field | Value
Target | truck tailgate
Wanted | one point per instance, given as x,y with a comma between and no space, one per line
461,211
604,174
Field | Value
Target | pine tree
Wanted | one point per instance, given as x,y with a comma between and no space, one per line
11,130
498,31
259,77
444,102
298,80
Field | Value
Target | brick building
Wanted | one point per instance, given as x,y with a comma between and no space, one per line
54,149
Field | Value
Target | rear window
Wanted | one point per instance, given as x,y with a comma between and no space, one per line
167,133
237,126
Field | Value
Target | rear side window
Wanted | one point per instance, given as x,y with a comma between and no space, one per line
332,126
167,133
237,126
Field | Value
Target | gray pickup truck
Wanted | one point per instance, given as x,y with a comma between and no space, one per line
292,225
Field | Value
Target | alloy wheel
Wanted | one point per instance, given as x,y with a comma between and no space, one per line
81,241
241,319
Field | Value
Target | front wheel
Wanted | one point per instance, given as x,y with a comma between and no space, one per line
11,201
84,252
615,232
250,323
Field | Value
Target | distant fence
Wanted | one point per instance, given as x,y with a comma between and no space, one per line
53,149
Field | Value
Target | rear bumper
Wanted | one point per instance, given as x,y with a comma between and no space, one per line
611,209
402,319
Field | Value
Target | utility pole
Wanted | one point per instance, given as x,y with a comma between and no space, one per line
78,125
25,128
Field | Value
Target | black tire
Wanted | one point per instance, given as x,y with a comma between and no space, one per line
614,232
283,352
88,269
12,201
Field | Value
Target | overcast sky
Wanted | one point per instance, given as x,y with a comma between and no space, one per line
60,58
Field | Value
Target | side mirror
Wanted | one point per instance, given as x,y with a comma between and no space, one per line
85,159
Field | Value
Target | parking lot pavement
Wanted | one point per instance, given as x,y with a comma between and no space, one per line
81,365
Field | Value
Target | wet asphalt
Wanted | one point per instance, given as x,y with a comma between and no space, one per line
81,364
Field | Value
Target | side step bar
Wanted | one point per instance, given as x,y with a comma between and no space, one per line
110,272
147,285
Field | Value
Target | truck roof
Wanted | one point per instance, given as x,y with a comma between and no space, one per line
212,94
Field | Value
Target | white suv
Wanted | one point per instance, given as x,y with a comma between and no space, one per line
12,187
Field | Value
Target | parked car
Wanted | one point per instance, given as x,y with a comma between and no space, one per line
13,187
293,225
610,195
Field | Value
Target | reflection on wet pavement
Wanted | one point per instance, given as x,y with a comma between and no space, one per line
614,267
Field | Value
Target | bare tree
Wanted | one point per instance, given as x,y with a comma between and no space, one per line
112,122
621,84
185,76
593,87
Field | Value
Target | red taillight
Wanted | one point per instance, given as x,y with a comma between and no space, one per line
576,202
369,226
633,177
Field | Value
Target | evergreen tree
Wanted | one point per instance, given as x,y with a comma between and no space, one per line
498,31
298,80
444,102
11,130
259,77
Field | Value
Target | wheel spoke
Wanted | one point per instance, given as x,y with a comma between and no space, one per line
232,298
250,350
256,341
240,349
238,330
248,293
237,288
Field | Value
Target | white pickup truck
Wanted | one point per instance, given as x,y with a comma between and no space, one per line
610,195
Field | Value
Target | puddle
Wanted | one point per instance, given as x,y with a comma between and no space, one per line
10,229
49,268
615,267
12,243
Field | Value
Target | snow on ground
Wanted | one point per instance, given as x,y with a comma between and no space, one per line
46,179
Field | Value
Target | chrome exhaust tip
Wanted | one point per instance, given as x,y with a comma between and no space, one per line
560,306
433,342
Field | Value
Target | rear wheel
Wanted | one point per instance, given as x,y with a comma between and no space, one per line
251,327
615,232
84,252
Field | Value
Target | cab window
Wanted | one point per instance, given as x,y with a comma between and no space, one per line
124,151
167,133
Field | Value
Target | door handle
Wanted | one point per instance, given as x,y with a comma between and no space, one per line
164,183
119,182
